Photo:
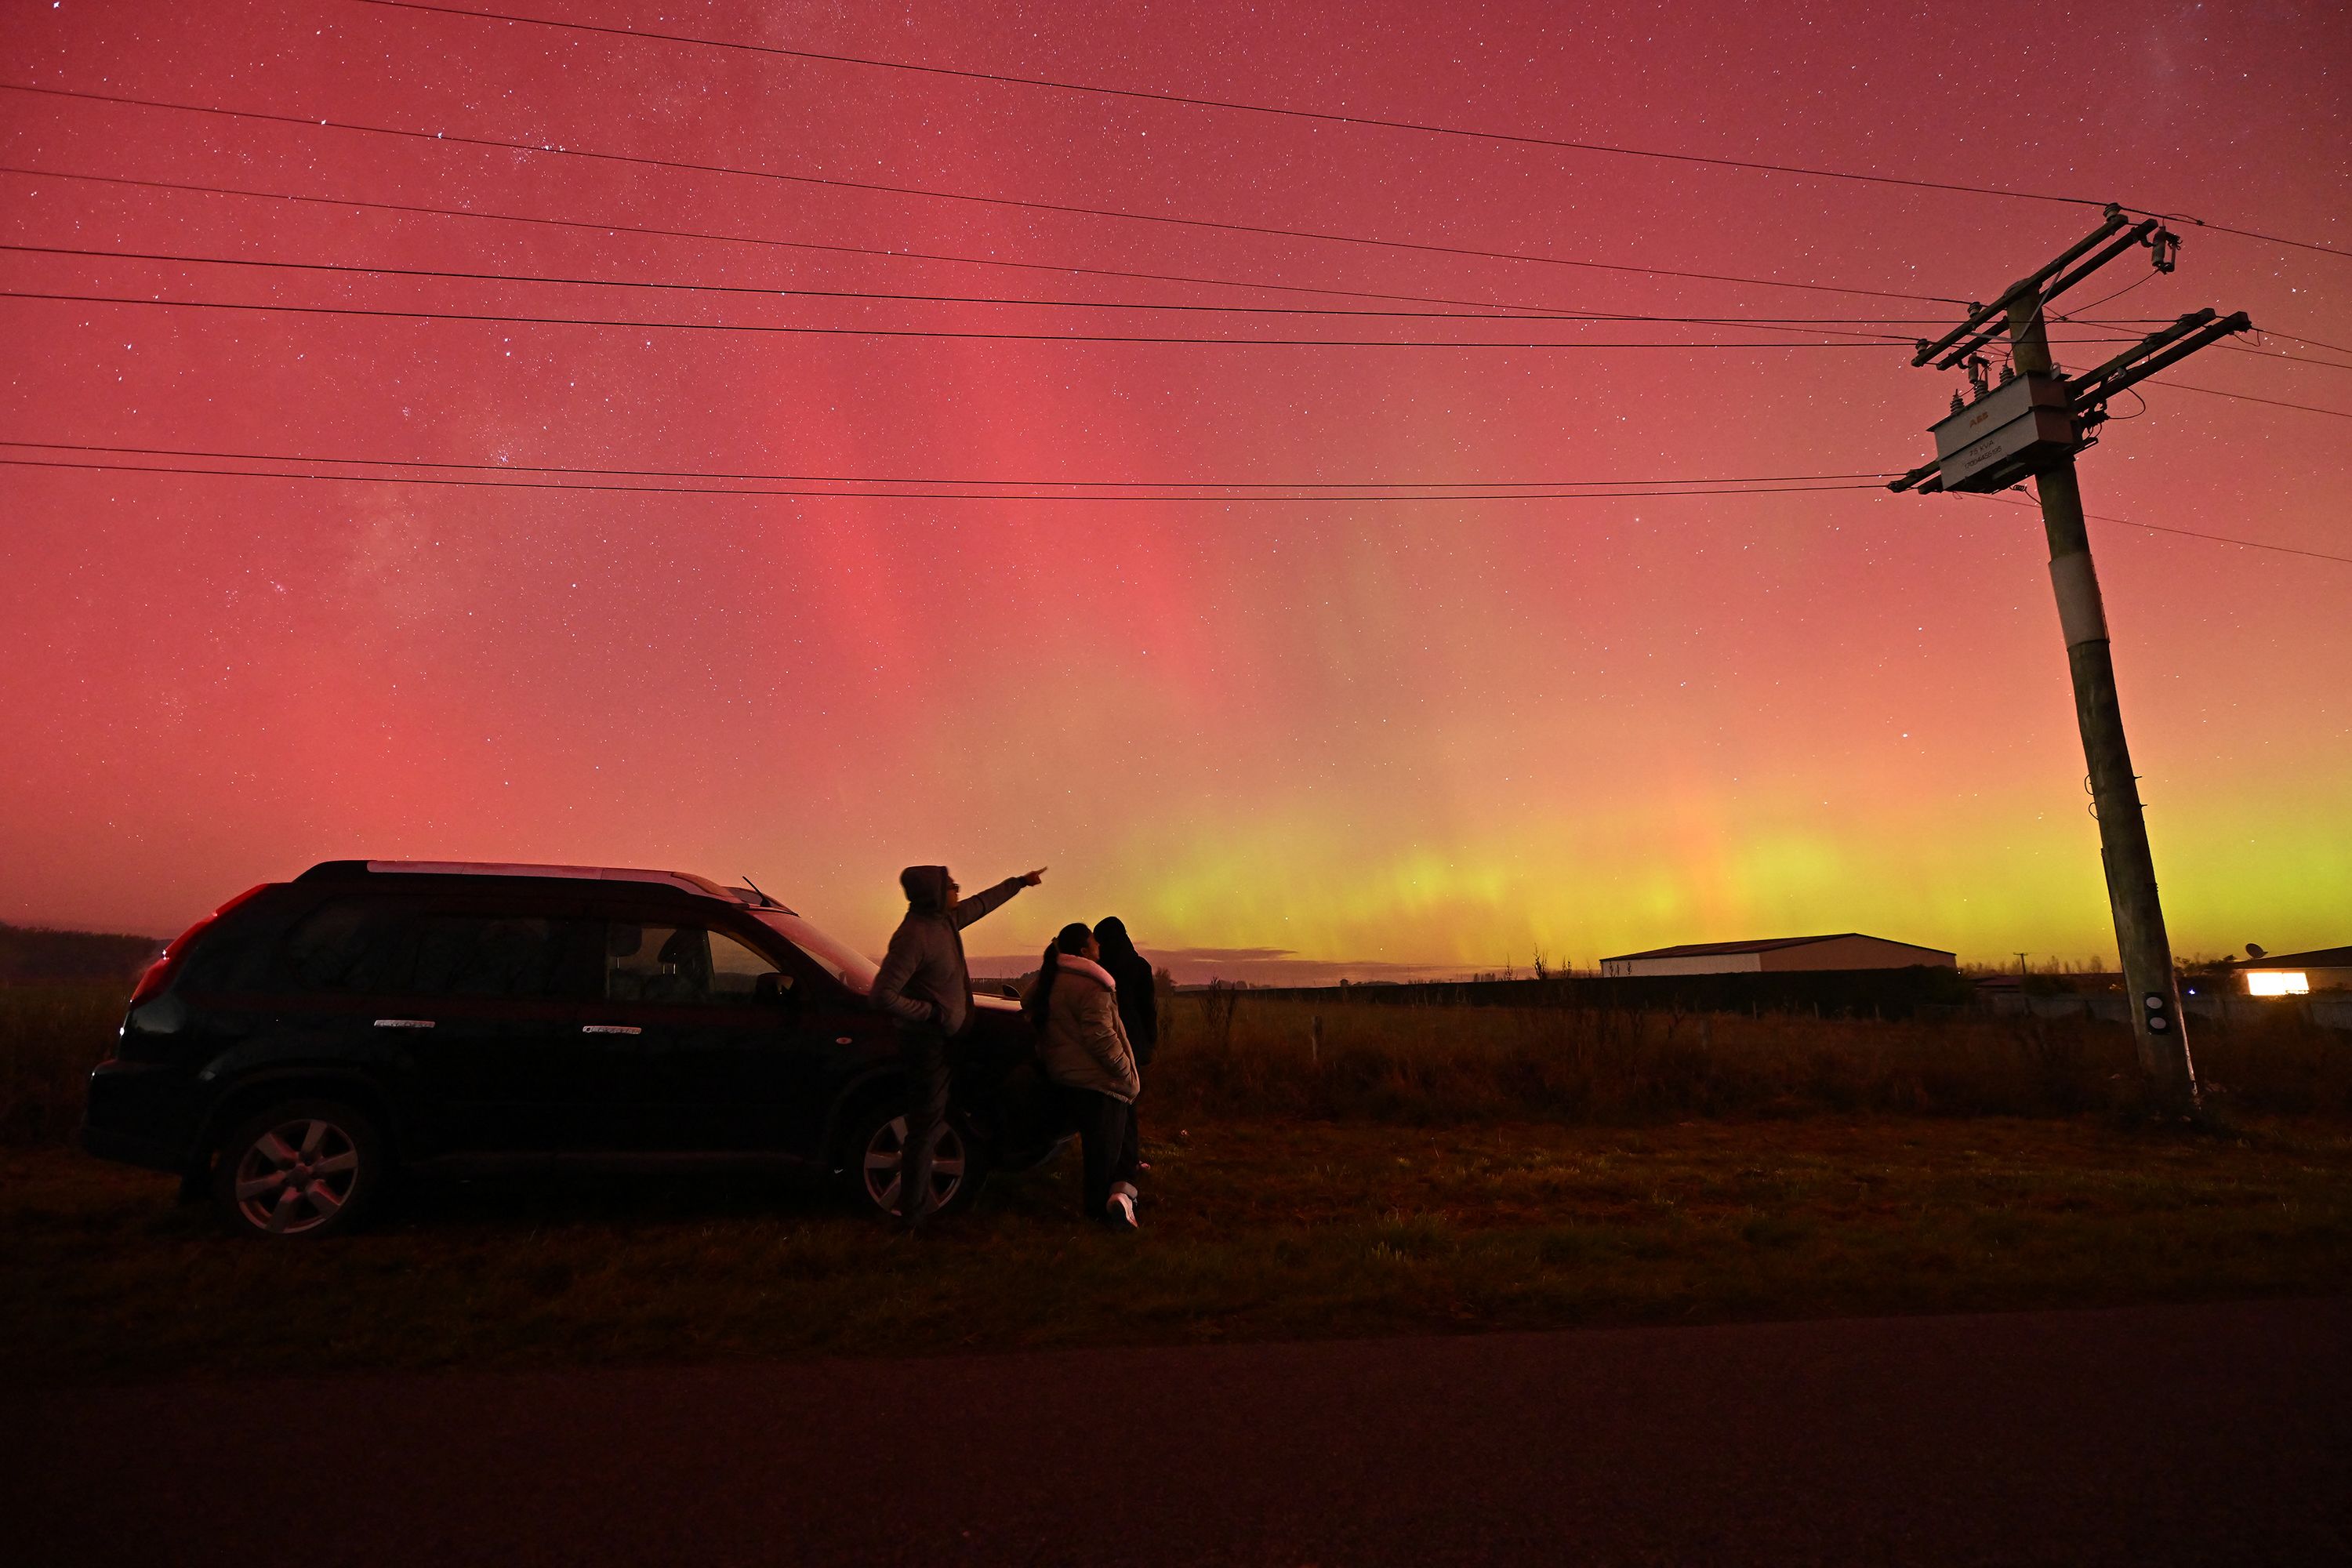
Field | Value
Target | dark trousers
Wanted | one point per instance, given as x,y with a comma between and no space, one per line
923,1056
1130,1148
1101,1122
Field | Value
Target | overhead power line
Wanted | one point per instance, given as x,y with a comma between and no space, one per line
1194,498
2307,342
2188,533
2276,358
1067,209
921,479
1662,489
934,333
2246,233
1811,171
2250,397
709,236
1188,100
2150,276
773,292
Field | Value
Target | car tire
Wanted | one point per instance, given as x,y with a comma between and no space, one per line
301,1170
958,1167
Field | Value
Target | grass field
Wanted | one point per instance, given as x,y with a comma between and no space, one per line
1253,1229
1434,1065
1394,1170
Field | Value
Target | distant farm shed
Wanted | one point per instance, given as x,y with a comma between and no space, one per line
2297,973
1846,950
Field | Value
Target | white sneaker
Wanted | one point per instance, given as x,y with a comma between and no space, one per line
1120,1212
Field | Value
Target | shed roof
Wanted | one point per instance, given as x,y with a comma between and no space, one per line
2317,958
1760,945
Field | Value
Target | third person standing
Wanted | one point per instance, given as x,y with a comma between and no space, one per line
1138,1009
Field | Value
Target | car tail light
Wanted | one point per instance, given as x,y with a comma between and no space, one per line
158,973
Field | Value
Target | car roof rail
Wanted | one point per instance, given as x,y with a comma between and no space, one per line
684,882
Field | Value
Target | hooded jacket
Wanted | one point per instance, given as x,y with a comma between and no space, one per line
1138,1003
923,983
1083,1045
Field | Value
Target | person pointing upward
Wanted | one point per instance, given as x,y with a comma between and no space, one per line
925,985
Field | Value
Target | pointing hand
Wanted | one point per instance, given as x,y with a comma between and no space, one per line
1031,878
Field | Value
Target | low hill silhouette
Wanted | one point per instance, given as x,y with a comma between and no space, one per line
37,952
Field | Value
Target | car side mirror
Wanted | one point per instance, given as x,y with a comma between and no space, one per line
772,990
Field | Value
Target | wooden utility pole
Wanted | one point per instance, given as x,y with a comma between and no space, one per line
2032,426
2141,939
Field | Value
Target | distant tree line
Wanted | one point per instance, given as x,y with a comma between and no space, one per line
35,952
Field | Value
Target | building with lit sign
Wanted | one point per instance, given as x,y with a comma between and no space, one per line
2297,973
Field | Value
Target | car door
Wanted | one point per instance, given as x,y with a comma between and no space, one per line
338,995
715,1030
496,992
467,1011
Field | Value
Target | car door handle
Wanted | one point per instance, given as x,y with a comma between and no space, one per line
403,1023
610,1029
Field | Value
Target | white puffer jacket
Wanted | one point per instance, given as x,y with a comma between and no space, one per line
1083,1045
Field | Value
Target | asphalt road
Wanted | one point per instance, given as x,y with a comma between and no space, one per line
2199,1435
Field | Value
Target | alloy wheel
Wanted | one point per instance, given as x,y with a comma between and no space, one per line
296,1176
886,1157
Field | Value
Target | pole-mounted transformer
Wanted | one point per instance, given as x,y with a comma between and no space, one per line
2012,432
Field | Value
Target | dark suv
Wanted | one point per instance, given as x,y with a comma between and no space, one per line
308,1039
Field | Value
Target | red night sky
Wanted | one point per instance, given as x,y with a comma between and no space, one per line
1441,732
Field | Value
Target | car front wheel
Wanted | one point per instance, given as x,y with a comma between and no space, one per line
305,1168
878,1152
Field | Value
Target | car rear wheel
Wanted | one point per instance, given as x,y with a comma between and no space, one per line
877,1153
304,1169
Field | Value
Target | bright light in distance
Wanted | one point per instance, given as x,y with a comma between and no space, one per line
2277,983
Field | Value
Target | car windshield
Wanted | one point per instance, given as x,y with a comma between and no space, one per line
846,964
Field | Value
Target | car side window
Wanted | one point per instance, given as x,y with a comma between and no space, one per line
735,971
516,957
680,966
349,945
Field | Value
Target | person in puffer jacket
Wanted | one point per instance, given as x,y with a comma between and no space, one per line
1088,1058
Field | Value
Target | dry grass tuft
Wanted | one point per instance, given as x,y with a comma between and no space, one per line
50,1037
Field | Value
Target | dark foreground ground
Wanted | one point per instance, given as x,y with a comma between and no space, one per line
1252,1231
2192,1435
